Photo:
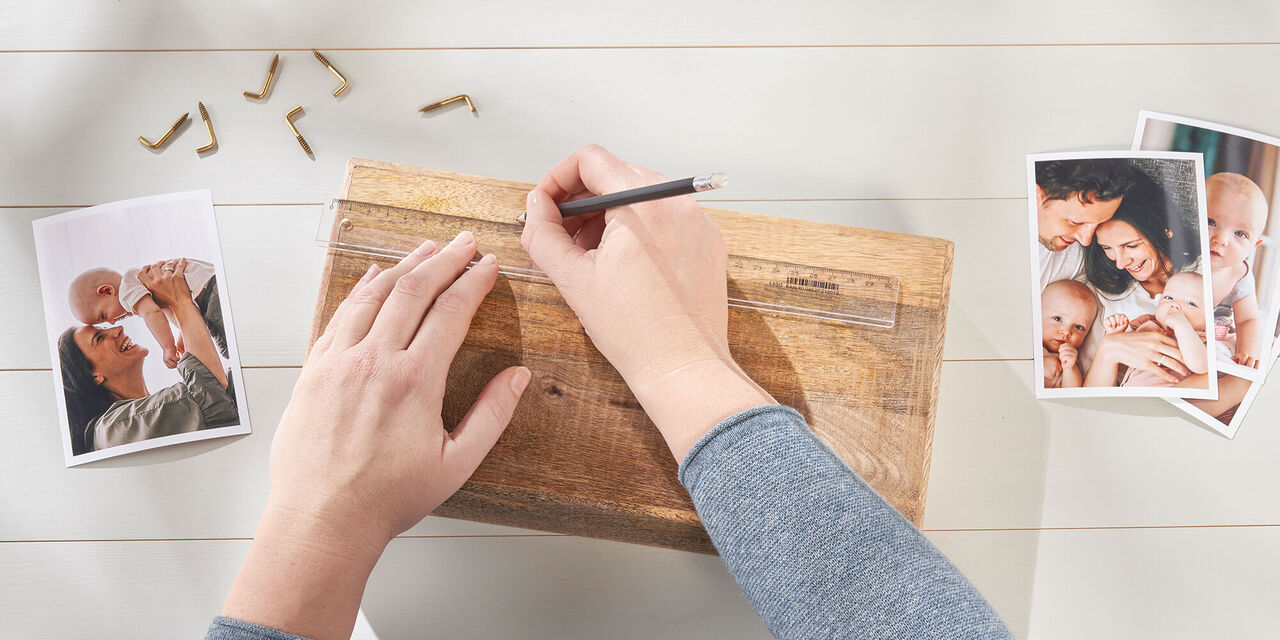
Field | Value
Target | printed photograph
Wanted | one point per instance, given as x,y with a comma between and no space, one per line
1120,286
1225,413
139,326
1242,170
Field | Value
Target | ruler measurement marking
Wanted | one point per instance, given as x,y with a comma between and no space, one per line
786,288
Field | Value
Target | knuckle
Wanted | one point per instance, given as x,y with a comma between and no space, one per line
454,302
364,363
368,295
412,285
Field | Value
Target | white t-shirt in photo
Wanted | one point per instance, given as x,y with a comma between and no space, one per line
1061,265
197,275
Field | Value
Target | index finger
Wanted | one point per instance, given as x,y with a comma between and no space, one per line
591,169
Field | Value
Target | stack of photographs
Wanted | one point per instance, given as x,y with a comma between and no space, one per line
1157,272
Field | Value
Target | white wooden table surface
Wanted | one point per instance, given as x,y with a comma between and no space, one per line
1098,519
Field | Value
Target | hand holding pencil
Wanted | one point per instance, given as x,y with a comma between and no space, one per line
647,280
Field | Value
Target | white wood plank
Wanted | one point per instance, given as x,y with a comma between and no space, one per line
784,123
84,24
274,270
1157,583
545,587
1003,459
209,489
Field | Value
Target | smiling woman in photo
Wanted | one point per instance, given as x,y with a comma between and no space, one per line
1132,258
108,402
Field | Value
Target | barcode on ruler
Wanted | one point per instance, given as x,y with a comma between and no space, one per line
805,282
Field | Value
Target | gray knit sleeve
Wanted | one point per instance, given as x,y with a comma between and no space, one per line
231,629
818,553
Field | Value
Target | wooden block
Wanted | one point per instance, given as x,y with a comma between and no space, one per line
581,457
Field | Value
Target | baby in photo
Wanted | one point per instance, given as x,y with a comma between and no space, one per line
103,295
1180,314
1067,311
1237,217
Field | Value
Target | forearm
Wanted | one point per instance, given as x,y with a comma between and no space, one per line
685,404
1249,337
1102,373
813,548
1071,376
1195,355
196,340
158,325
302,577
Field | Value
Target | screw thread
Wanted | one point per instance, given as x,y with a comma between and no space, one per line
321,58
305,147
203,114
179,121
274,61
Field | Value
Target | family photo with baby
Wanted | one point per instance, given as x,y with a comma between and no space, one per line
140,332
1123,294
1156,272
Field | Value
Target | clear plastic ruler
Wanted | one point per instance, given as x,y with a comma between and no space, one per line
768,286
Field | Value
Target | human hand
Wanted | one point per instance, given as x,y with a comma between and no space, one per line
166,281
171,356
361,453
1246,359
1116,323
1067,356
1179,321
647,281
1148,350
362,439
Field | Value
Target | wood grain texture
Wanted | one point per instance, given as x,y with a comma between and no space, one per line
580,455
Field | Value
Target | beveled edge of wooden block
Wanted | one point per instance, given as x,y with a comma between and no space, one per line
602,519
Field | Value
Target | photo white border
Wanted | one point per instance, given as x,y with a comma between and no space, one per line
1229,367
210,229
1230,430
1034,242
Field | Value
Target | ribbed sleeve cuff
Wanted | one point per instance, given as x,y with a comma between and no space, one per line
223,628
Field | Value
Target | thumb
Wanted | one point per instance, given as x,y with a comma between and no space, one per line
475,435
545,238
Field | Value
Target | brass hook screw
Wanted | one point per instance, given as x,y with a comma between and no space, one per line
288,119
325,62
437,105
208,125
156,145
271,73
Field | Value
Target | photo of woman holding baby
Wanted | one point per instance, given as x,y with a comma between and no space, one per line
1122,293
107,399
139,325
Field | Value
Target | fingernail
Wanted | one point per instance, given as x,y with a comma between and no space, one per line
520,380
488,259
463,238
369,273
425,248
532,198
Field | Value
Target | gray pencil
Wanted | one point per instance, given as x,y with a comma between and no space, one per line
641,194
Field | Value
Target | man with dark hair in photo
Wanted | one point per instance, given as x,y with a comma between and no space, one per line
1073,197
